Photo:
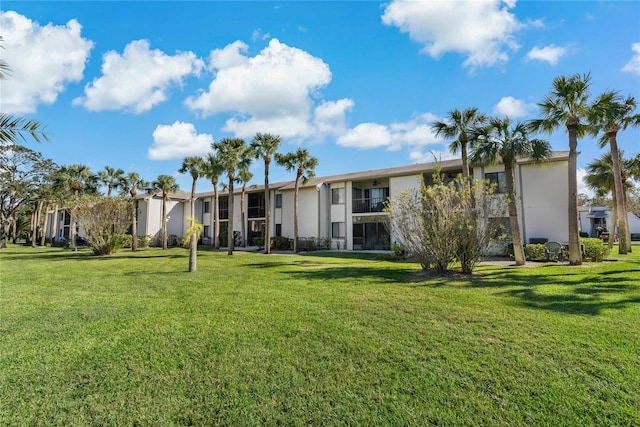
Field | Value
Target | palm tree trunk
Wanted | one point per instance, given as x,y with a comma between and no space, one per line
465,160
134,226
243,224
216,216
267,209
230,239
295,217
34,225
575,255
43,237
193,251
514,220
614,221
623,235
54,226
164,222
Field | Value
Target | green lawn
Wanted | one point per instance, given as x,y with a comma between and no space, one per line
316,339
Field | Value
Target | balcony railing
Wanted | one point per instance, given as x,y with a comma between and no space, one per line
375,204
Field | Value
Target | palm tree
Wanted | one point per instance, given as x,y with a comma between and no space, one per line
265,145
77,179
610,113
458,124
194,166
233,155
567,105
600,178
501,140
212,170
165,184
244,176
131,183
111,177
304,165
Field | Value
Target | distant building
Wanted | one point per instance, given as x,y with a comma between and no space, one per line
596,219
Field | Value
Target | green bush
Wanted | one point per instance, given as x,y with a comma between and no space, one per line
144,240
595,249
281,243
126,240
535,252
313,243
258,241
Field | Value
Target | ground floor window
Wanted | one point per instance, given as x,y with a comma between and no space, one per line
278,230
338,230
207,231
370,234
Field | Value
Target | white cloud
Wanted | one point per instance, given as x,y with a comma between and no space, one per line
273,91
329,117
414,133
177,141
259,35
138,79
43,60
633,66
550,54
512,107
480,30
421,155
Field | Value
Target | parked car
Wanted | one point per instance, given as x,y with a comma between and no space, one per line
605,236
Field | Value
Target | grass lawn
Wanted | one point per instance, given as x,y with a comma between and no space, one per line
314,339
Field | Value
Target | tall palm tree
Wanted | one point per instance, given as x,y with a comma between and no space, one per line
111,177
504,141
458,124
76,178
600,178
213,168
233,154
165,184
193,166
265,145
611,113
131,183
567,105
304,164
244,176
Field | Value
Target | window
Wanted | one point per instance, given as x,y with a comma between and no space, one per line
223,207
278,200
337,229
278,230
206,232
498,179
255,205
337,196
206,207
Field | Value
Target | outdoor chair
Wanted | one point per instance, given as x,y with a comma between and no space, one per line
554,251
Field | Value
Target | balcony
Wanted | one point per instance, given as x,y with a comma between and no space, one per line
368,205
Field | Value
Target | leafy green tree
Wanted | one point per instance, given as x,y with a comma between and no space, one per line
130,184
111,178
104,220
304,164
504,141
213,168
233,155
459,124
567,105
164,184
265,146
22,173
611,113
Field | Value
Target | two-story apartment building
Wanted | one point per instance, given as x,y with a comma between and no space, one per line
348,208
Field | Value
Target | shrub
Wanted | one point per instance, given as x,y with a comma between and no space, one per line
595,249
258,241
126,240
535,252
313,243
144,240
281,243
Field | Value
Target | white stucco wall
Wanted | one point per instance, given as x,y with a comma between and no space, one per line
402,183
545,203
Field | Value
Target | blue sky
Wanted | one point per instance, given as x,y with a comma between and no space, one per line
141,85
